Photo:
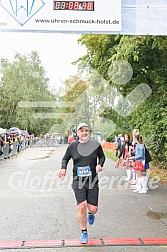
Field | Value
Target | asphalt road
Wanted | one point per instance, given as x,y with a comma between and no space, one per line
36,205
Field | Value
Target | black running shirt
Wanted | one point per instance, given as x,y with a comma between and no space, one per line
83,154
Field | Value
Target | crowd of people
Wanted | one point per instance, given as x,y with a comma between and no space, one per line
13,143
134,157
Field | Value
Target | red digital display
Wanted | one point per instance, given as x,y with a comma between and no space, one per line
74,5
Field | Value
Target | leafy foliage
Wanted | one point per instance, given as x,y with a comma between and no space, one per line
23,79
147,56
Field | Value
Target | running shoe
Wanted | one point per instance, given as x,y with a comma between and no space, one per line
84,237
127,179
91,218
137,190
132,181
142,191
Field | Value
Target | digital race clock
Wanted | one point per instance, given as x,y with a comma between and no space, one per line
74,5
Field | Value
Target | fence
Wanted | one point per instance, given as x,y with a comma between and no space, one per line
108,146
9,150
16,147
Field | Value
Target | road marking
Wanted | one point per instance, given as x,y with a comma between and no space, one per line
91,243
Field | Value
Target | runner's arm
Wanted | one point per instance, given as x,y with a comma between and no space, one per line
101,156
64,163
66,159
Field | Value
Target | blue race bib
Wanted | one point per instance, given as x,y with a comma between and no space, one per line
84,171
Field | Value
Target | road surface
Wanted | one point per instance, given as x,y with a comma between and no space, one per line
36,205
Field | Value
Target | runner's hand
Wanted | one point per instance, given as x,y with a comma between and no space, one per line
62,173
98,168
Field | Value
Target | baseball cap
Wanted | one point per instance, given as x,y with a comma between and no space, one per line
81,125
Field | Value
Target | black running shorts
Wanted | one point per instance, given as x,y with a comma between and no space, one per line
86,191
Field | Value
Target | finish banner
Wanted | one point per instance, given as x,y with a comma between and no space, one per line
60,16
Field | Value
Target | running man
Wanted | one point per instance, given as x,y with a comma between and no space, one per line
88,159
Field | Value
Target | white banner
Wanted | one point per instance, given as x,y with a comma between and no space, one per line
67,16
151,17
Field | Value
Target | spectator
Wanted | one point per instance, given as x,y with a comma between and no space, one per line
118,142
71,139
132,151
138,165
1,145
125,154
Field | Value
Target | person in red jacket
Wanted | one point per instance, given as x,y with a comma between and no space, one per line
71,139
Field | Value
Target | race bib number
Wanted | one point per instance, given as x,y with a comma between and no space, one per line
84,171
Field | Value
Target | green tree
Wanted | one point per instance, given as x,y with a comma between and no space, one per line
147,56
24,79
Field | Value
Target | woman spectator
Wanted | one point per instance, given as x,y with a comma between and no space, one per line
125,154
148,159
132,151
139,165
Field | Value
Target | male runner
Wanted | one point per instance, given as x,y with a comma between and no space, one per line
88,159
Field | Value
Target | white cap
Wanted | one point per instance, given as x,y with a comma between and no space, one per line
81,125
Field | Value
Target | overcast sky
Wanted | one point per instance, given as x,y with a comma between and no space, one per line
56,51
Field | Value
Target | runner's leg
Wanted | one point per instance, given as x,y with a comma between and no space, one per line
92,209
82,215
